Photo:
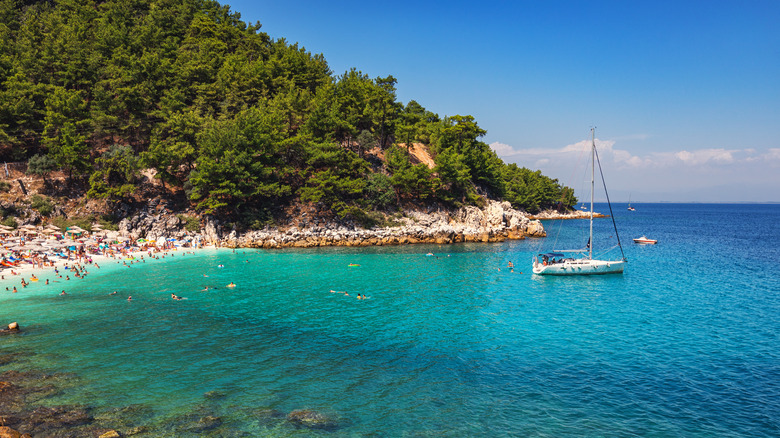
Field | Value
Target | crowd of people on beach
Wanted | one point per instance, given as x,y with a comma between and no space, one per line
29,250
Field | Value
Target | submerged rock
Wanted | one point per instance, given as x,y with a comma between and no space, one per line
7,432
312,419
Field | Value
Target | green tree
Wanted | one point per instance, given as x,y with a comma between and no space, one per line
379,191
336,177
241,161
115,174
455,176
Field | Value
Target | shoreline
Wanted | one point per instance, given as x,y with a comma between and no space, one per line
495,222
8,280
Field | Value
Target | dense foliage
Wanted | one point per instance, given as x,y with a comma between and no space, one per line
240,121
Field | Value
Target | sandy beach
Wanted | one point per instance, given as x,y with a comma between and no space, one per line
69,271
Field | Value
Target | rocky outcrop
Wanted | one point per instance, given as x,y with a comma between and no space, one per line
557,215
152,226
495,222
12,328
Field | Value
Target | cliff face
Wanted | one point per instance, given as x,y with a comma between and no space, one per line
495,222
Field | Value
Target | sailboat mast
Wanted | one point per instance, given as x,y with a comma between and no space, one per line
592,187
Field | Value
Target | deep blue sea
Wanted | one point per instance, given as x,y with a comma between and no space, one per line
683,343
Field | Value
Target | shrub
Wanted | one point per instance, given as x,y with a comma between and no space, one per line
5,186
191,223
42,204
40,165
108,223
10,222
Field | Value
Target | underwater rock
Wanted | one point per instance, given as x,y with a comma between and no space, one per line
7,432
214,395
110,434
45,420
124,418
312,419
203,424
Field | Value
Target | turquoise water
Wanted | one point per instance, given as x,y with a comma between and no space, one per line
684,343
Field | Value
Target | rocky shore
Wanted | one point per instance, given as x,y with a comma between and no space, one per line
555,215
495,222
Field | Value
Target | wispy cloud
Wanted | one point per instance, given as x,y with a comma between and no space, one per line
664,172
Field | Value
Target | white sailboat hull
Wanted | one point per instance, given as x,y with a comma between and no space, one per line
579,267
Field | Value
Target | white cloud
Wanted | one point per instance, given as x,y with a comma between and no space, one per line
703,156
659,176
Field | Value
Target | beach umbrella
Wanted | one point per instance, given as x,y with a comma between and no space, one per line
53,227
6,227
28,229
4,231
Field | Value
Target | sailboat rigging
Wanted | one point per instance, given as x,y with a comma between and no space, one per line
559,263
630,208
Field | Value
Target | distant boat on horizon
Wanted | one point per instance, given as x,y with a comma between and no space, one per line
630,208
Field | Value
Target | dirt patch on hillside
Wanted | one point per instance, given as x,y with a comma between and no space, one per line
419,153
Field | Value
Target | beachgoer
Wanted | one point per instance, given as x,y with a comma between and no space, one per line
130,298
47,281
14,289
113,293
63,293
231,284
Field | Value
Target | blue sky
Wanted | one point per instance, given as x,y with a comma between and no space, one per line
685,95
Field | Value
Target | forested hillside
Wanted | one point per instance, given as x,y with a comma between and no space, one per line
236,120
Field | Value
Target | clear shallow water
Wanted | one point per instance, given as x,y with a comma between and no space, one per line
685,343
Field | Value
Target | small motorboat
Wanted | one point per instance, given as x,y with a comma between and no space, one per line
645,241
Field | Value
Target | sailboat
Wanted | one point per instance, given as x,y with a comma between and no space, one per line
561,262
630,208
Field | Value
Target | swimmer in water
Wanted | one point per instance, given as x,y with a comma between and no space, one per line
113,293
130,298
63,293
231,284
